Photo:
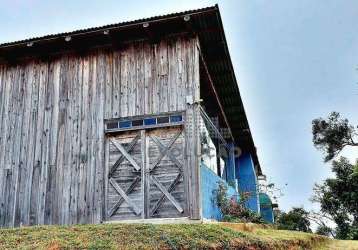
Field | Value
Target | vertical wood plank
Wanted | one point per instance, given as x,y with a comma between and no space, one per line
131,81
61,161
105,177
22,213
29,163
15,145
99,156
124,67
45,140
5,147
163,77
5,102
38,110
82,198
52,204
156,81
148,79
116,94
144,169
75,99
92,145
2,167
139,86
108,86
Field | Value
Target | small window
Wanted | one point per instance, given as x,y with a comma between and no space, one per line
136,123
164,119
176,118
150,121
112,125
143,122
125,124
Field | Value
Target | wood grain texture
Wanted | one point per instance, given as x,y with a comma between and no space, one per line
52,112
149,177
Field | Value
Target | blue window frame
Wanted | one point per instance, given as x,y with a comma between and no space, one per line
150,121
112,125
131,123
136,123
125,124
163,119
176,118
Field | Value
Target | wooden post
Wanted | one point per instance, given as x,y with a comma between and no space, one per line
192,140
193,161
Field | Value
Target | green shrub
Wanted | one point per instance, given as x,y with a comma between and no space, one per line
233,209
353,233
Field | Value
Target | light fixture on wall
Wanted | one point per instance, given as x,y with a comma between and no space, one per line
186,18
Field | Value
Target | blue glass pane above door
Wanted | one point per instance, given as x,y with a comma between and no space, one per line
150,121
176,118
125,124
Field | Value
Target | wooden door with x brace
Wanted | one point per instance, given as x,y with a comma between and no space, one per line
146,174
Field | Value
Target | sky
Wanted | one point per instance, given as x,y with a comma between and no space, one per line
294,60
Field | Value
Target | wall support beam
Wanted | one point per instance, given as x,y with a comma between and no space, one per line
230,164
212,87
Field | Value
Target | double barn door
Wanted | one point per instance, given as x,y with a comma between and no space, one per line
146,174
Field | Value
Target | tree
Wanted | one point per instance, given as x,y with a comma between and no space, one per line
324,230
338,198
333,134
296,219
322,220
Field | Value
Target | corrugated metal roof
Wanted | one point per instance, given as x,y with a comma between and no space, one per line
207,25
107,27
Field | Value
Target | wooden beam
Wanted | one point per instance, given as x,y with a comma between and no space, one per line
124,196
212,87
163,153
165,150
126,155
128,149
170,189
167,194
121,200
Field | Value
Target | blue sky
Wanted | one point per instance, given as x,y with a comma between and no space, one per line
294,60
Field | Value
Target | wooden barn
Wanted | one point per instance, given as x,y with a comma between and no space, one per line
110,123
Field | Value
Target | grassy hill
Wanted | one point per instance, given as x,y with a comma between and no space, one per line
178,236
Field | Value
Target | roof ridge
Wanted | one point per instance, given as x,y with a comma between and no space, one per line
108,26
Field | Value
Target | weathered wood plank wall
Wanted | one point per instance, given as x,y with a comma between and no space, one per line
52,131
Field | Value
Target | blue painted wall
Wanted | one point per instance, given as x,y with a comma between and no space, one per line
266,208
245,173
209,183
230,165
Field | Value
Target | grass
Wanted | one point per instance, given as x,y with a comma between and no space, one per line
148,236
338,245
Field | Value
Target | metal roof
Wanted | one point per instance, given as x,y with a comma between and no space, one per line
114,26
205,23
